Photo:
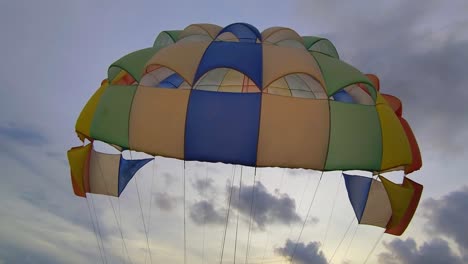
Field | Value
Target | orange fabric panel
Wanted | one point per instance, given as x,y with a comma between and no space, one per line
394,103
157,121
406,219
375,80
77,158
416,163
293,133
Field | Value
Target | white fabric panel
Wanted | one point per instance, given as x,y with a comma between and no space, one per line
104,173
211,78
378,208
359,95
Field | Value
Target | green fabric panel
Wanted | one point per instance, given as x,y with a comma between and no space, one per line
310,40
355,137
110,123
133,63
322,45
166,38
338,74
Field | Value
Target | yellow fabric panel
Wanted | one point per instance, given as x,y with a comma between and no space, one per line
378,209
157,121
104,173
280,83
400,198
201,29
380,99
395,144
278,91
293,132
83,124
232,77
182,58
77,160
231,88
281,61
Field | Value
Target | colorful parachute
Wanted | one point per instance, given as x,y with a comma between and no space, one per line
238,96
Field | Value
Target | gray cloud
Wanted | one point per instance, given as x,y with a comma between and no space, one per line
203,212
419,54
406,252
448,216
164,201
23,134
268,208
303,254
204,187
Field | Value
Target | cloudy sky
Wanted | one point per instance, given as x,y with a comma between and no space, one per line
56,53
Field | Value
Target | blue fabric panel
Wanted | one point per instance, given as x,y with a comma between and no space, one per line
222,127
173,81
343,96
127,169
243,31
358,190
243,57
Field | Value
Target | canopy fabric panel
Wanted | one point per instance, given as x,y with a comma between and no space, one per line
355,138
127,169
104,173
378,209
338,74
157,121
222,127
166,38
243,57
295,134
133,63
358,191
111,119
77,159
281,61
85,119
416,160
322,45
276,35
353,126
398,229
243,31
400,199
396,149
182,58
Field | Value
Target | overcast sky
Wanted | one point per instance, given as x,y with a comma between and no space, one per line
56,53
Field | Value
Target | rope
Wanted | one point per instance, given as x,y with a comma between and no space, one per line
305,220
342,239
113,210
94,229
250,217
237,224
374,247
350,243
331,214
150,200
227,216
142,215
185,227
204,219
